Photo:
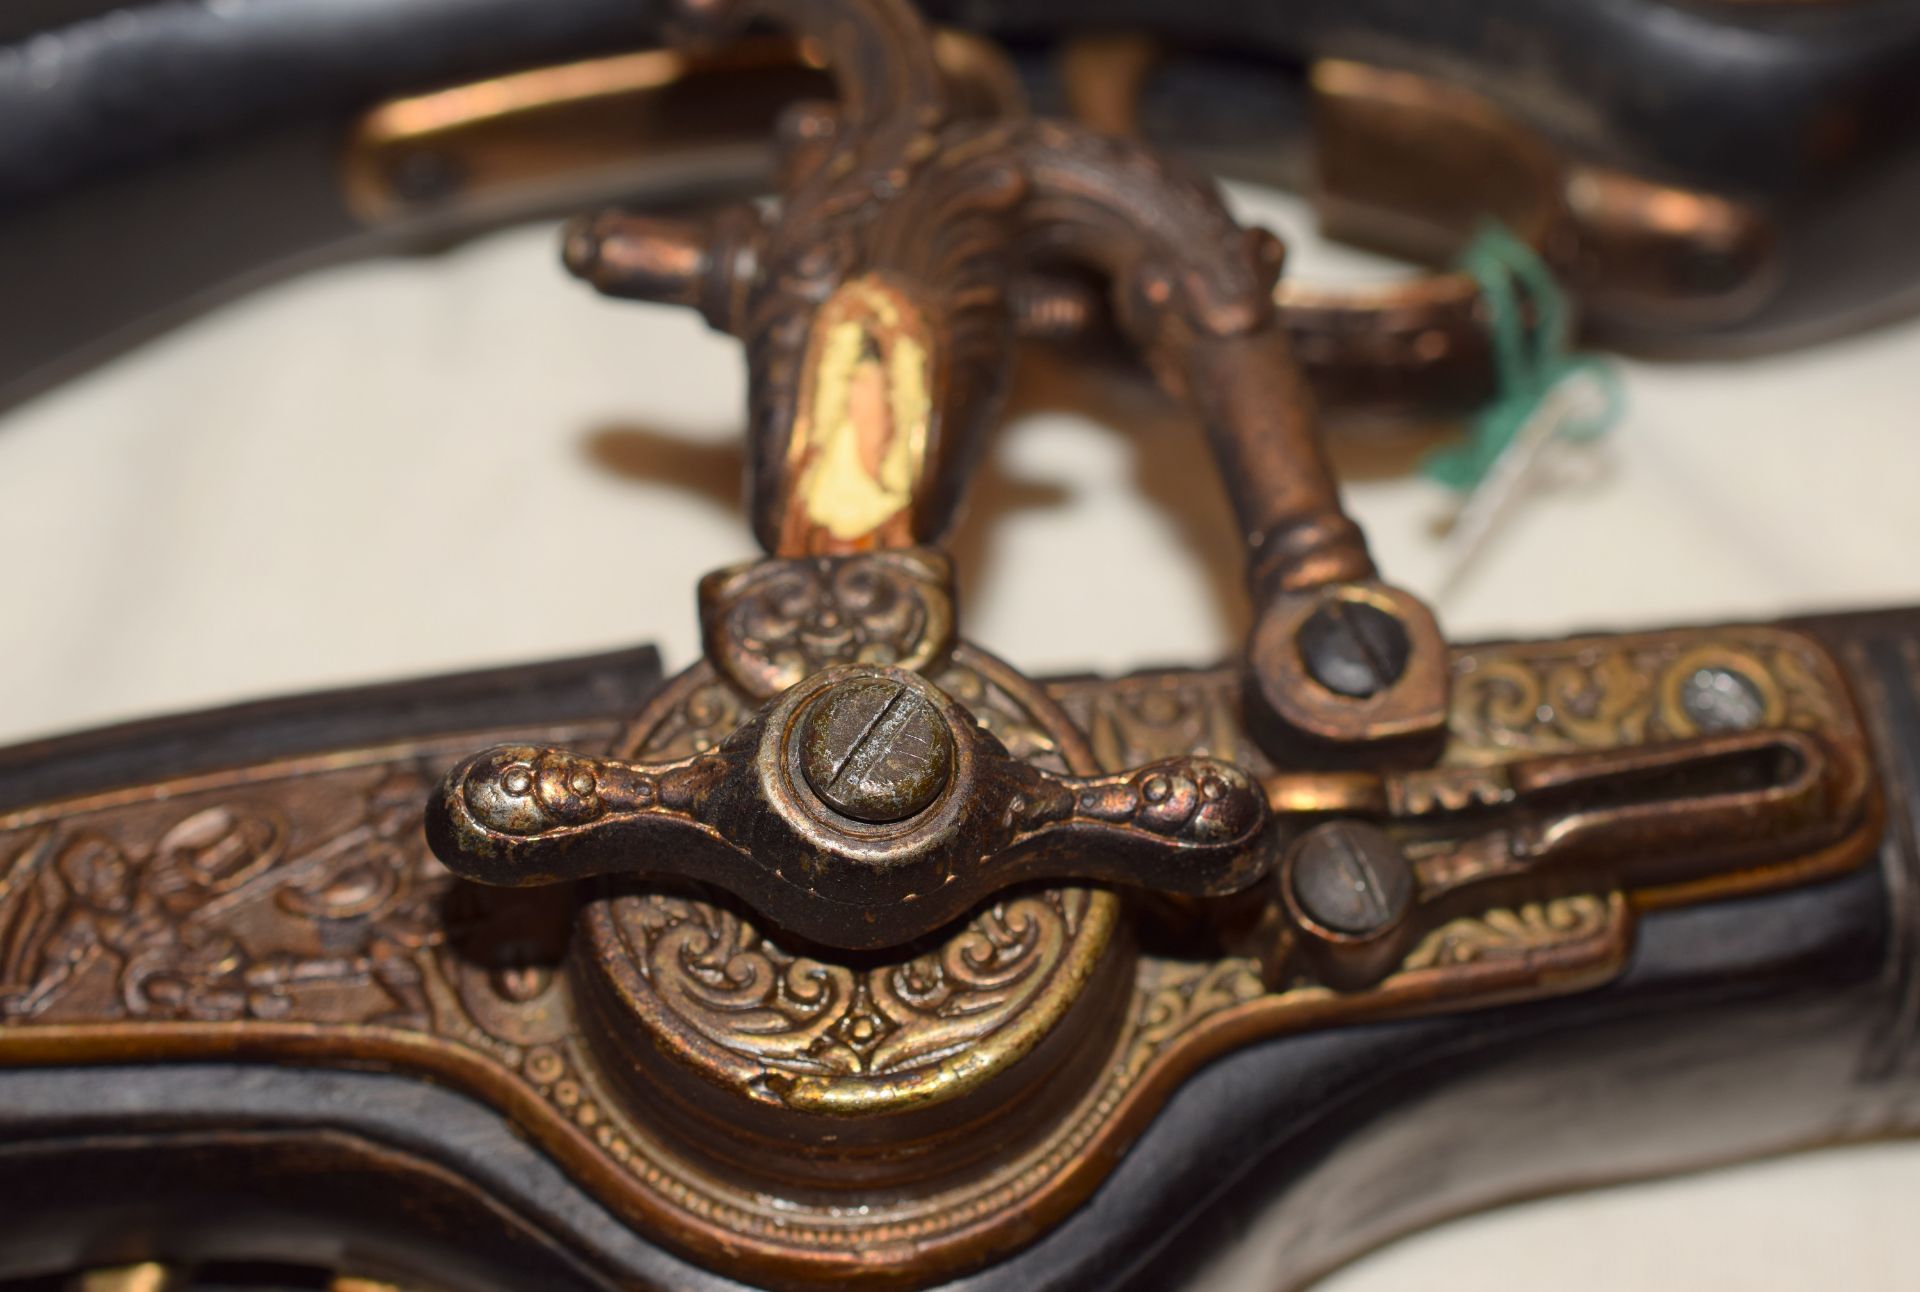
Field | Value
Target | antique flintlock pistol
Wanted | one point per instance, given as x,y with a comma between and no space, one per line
1704,175
853,956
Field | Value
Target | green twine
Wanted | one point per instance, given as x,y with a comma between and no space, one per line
1528,363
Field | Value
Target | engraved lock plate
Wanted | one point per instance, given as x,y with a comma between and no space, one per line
880,1066
291,912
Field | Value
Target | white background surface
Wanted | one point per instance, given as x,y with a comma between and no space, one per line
409,467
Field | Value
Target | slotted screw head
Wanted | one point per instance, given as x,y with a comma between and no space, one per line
1353,648
1351,878
876,750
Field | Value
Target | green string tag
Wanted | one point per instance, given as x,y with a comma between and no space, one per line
1528,363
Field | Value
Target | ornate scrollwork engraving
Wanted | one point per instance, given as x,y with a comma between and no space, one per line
1184,994
772,623
1605,692
797,1015
787,1027
228,912
1509,700
1515,932
1135,720
294,911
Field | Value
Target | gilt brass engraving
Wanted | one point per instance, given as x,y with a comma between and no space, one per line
916,1027
291,912
769,625
790,1024
1510,932
855,957
1611,692
1545,697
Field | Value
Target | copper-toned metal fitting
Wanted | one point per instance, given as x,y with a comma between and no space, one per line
863,808
880,305
839,956
1346,672
856,957
800,1117
1401,161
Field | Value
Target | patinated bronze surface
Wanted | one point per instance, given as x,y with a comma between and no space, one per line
862,808
852,956
291,912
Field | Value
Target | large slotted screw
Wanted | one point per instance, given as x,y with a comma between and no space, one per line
1353,648
875,750
1351,878
1354,893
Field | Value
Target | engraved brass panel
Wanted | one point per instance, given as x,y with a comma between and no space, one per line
291,913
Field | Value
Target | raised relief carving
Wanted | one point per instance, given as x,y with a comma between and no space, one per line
225,915
1509,701
1184,994
1502,932
758,1017
1135,720
1604,692
302,897
771,624
986,688
797,1015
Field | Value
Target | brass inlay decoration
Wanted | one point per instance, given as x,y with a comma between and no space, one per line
1550,698
1509,932
917,1026
793,1027
292,911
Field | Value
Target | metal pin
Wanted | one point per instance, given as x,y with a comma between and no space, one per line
1580,396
